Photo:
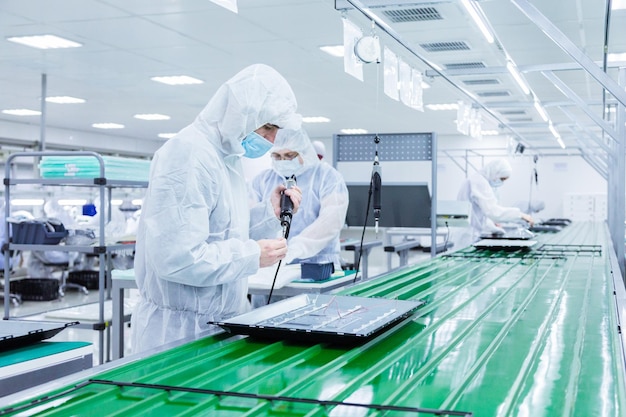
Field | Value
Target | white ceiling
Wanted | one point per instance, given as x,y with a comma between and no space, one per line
126,42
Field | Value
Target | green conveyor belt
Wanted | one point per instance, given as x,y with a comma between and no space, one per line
509,333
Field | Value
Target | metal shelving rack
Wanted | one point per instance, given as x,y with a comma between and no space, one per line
101,249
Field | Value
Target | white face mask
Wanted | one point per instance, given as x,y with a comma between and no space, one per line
287,168
496,183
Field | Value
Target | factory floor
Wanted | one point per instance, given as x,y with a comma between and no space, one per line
64,309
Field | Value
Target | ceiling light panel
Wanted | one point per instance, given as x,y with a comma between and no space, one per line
315,119
64,100
177,80
107,126
152,116
45,41
21,112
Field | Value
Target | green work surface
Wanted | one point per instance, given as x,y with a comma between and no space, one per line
503,333
36,351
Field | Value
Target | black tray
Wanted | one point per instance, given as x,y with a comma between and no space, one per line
322,318
20,333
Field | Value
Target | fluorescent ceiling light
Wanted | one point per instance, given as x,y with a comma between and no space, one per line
353,131
437,107
489,132
618,4
72,202
22,112
152,116
27,202
560,141
177,80
315,119
541,111
166,135
480,22
334,50
64,100
137,202
44,41
517,77
621,57
554,131
424,84
107,126
116,202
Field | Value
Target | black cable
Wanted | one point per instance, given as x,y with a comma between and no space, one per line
445,242
367,212
269,297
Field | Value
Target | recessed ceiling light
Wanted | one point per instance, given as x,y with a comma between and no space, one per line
22,112
353,131
107,126
618,4
153,116
27,202
166,135
44,41
621,57
315,119
177,80
436,107
64,100
334,50
489,133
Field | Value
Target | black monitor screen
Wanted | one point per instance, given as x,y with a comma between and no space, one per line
402,205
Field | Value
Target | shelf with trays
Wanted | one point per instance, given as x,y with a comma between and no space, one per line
102,249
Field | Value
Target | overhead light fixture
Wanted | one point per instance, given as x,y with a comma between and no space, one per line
22,112
560,141
72,202
315,119
438,107
333,50
424,84
64,100
517,77
618,4
27,202
489,132
137,202
107,126
616,57
478,19
116,202
553,130
227,4
166,135
353,131
177,80
45,41
541,111
152,116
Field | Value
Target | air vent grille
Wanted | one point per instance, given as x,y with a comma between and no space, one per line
520,119
487,81
445,46
413,15
493,94
464,65
512,112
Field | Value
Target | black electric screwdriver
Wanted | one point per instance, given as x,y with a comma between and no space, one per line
286,207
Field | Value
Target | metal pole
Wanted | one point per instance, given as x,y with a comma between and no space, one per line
42,123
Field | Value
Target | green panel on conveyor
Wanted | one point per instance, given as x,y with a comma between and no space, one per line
503,333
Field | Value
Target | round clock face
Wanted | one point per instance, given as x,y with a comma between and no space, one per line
367,49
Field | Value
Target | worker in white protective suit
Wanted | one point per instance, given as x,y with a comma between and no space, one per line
486,212
195,246
314,234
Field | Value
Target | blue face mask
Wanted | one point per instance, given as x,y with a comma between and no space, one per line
287,168
255,145
496,183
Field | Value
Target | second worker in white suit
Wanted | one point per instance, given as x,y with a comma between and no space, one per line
315,230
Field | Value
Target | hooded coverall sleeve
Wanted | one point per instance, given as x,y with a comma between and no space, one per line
189,237
333,196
